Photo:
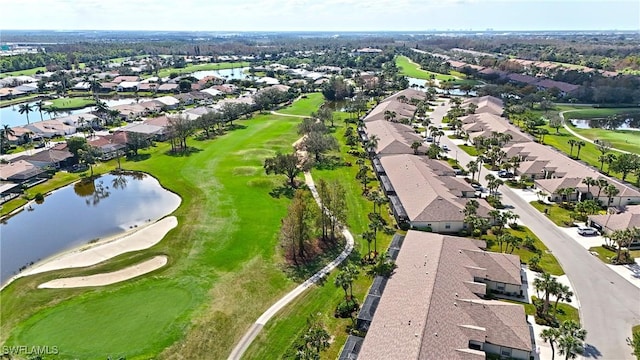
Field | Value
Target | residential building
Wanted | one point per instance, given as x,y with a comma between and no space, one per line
426,200
434,306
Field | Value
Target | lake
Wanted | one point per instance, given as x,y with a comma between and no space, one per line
79,213
10,116
625,122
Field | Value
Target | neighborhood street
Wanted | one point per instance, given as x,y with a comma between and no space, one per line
610,305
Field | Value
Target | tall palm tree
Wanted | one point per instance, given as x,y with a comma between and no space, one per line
572,143
368,237
551,336
571,339
5,132
41,107
611,191
562,293
589,181
610,159
547,284
25,109
579,145
343,282
372,143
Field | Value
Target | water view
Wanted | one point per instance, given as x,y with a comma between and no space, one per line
11,116
79,213
229,74
624,122
421,84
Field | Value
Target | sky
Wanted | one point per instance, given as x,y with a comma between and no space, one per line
319,15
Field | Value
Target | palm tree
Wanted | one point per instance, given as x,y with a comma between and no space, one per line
589,181
623,238
551,336
25,109
572,143
352,272
342,281
602,184
547,284
368,237
579,145
571,339
41,107
390,115
610,159
602,159
611,191
472,167
5,132
415,145
562,293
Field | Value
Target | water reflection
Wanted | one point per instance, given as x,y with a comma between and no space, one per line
77,214
616,122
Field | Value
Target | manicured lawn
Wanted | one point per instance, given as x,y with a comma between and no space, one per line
71,103
605,255
223,272
548,262
28,72
305,106
411,69
282,331
574,112
565,311
471,150
558,215
192,68
628,140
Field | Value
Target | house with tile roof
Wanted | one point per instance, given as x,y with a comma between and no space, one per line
434,306
423,198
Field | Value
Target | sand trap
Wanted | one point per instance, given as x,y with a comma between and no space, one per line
107,278
140,239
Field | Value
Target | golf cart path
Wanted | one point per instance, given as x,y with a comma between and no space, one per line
564,124
255,328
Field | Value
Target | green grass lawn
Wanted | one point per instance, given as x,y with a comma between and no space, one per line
471,150
305,106
411,69
627,140
582,112
565,311
605,255
192,68
558,215
224,269
282,331
71,103
548,262
28,72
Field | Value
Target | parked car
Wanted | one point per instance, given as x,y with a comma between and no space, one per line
445,147
429,139
587,231
39,145
505,174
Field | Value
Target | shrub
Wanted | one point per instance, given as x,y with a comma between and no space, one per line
345,308
463,233
39,198
477,233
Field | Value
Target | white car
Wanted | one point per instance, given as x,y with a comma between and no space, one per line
587,231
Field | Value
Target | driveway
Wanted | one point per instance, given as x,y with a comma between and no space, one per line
609,304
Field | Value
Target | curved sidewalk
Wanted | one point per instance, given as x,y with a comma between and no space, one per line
256,327
568,128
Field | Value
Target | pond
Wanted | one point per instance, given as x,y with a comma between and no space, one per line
11,116
624,122
78,214
229,74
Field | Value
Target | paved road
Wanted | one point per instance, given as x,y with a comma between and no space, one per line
255,328
570,130
609,304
